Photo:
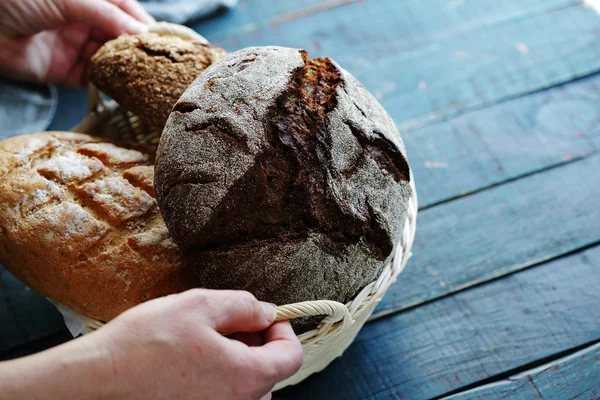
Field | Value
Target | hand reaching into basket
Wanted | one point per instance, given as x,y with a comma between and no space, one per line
175,347
53,40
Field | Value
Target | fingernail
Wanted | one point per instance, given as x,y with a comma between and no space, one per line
269,312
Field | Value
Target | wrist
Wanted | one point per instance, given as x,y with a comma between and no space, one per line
80,369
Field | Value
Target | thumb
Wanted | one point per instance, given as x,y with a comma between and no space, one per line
103,15
229,311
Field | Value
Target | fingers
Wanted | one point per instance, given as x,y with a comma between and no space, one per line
99,35
282,353
104,15
251,339
91,47
135,9
229,311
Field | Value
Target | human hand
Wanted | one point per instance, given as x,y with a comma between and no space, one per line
53,40
175,348
168,348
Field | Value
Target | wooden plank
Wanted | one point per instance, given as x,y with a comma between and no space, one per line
505,141
468,337
422,75
424,19
574,377
24,315
499,231
248,16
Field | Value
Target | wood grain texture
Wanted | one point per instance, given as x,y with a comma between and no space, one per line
499,231
250,15
504,141
422,73
426,19
24,314
574,377
468,337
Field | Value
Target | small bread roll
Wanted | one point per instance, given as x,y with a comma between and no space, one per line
146,73
79,223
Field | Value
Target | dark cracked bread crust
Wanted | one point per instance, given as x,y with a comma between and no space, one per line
282,176
146,73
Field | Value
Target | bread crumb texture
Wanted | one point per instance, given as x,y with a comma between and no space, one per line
79,223
282,175
146,73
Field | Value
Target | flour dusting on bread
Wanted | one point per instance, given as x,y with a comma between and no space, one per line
79,223
70,167
109,153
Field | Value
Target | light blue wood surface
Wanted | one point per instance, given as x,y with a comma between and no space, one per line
505,141
499,231
576,376
249,15
471,336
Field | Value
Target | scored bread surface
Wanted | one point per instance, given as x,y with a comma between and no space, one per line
79,223
146,73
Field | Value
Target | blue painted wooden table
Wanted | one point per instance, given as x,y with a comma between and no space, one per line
499,106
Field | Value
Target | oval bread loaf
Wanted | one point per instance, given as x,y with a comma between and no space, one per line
79,223
146,73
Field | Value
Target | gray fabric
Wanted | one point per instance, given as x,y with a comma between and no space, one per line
28,108
25,107
182,11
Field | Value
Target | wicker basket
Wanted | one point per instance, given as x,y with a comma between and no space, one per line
337,331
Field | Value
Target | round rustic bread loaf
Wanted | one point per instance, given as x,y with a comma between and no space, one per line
79,223
282,176
146,73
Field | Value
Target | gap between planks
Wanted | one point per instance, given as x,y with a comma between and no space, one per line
285,17
509,180
524,371
430,119
307,12
473,284
518,242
